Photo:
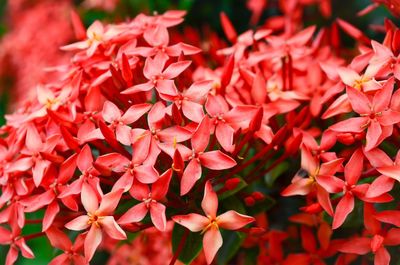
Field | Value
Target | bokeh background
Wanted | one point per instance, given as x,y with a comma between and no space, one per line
32,30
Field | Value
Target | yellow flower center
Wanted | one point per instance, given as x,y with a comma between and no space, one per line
94,219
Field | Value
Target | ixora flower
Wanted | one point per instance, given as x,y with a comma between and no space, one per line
376,115
210,224
99,218
138,123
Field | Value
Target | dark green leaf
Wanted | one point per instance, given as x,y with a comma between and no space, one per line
275,173
233,203
232,242
192,247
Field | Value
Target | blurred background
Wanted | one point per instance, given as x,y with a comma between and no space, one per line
31,32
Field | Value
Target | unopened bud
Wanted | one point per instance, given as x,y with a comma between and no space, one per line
257,231
232,183
249,201
258,196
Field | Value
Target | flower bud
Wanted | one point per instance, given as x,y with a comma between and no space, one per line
258,196
249,201
232,183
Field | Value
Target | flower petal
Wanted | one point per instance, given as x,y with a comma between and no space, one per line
358,100
58,239
308,162
216,160
382,257
301,186
175,69
89,198
192,110
379,186
389,216
224,134
52,210
109,202
193,221
232,220
79,223
331,184
355,125
123,134
360,246
112,228
111,112
212,241
210,201
134,214
146,174
373,134
85,159
382,98
353,169
138,88
92,241
191,174
135,112
160,188
343,209
198,90
157,214
201,136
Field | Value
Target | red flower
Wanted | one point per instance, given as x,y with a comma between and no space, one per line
210,224
99,218
150,202
375,115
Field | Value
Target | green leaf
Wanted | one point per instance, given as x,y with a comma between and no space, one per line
232,242
275,173
251,256
192,246
93,15
233,203
185,4
242,184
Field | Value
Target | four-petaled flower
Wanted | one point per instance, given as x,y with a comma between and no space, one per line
210,224
376,116
99,218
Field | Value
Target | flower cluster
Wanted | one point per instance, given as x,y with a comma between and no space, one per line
140,132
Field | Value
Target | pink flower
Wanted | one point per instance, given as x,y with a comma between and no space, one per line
72,252
375,115
350,188
150,202
215,160
16,242
95,34
99,218
112,114
158,77
210,224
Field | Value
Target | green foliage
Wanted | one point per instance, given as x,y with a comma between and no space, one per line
192,246
275,173
232,242
233,203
